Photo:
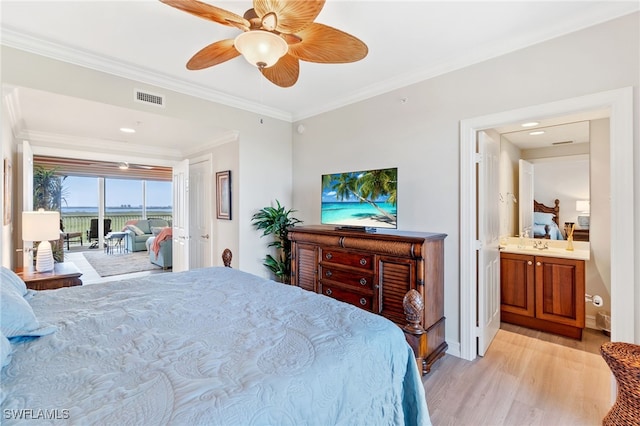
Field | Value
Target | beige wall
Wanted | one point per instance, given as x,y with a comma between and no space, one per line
421,135
598,274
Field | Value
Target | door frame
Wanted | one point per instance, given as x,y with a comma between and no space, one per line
619,103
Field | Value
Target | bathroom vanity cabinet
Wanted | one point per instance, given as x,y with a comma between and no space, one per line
544,293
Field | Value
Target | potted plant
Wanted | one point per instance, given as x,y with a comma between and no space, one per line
276,221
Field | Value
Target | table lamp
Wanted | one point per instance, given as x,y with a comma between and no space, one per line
41,226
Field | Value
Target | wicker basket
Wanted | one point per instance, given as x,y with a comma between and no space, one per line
624,361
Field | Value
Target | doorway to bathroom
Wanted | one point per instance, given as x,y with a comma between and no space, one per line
619,105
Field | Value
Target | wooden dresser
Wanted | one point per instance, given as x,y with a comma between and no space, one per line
64,274
375,270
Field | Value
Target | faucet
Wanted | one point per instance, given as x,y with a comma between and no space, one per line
539,245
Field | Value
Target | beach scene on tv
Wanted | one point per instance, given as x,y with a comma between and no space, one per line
363,198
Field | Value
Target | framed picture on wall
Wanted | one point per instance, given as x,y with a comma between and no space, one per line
7,192
223,195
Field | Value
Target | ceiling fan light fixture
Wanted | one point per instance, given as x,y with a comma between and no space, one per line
261,49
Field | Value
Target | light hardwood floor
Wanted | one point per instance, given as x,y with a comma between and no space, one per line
526,378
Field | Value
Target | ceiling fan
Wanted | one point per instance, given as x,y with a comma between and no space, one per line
276,35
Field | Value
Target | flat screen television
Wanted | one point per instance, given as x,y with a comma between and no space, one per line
365,199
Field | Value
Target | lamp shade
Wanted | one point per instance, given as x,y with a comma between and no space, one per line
40,225
261,48
583,206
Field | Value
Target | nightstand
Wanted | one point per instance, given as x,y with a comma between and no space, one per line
64,274
581,234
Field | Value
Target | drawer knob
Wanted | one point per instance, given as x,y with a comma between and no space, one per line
328,273
538,264
328,256
363,261
329,292
529,263
363,301
363,281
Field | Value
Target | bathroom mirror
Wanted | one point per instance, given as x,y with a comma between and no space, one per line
551,177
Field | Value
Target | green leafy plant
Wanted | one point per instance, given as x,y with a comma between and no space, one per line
49,194
276,221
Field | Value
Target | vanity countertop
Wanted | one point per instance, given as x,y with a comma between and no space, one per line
556,248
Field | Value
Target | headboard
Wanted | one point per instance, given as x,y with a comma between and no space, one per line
539,207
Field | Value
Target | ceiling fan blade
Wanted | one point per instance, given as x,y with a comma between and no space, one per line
212,13
284,73
324,44
293,15
214,54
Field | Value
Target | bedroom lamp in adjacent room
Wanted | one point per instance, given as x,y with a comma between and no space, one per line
41,226
583,206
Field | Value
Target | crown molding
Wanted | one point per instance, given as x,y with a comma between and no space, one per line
18,40
102,146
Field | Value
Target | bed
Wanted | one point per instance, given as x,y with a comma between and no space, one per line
211,346
546,221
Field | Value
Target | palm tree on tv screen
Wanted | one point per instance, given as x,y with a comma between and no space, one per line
367,187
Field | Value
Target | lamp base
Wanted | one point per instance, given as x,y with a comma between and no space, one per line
44,258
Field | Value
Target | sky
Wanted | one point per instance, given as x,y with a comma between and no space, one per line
83,192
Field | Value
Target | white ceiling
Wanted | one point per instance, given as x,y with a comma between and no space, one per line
148,41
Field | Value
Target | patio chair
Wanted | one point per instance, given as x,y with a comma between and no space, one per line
92,233
68,236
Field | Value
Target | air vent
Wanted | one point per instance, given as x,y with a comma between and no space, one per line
561,143
149,98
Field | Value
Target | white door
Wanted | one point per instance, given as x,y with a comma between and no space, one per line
488,238
200,199
27,192
181,217
525,189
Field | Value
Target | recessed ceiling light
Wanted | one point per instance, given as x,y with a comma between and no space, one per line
537,132
127,130
530,124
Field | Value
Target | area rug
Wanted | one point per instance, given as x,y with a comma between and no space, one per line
107,265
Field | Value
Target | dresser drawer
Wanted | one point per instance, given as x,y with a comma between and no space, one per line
338,257
357,279
364,301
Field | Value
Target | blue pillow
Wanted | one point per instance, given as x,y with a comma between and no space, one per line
135,229
8,277
540,218
16,315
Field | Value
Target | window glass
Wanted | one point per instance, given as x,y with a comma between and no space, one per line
123,201
79,203
159,199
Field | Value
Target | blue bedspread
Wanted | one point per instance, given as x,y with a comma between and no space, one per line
212,346
554,231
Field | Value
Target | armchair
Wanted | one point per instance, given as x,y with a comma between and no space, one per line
164,255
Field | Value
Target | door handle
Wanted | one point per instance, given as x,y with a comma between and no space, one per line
206,236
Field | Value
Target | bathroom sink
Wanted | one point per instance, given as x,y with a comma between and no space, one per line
561,252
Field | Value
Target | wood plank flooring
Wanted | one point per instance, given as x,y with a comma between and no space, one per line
526,378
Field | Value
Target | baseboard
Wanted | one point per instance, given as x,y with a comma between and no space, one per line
590,322
454,349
